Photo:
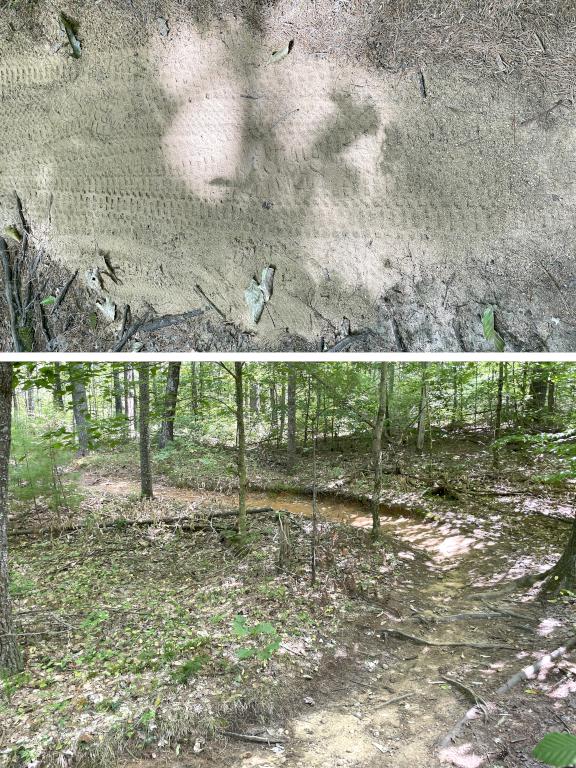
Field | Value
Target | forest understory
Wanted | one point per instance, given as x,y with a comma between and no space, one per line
150,641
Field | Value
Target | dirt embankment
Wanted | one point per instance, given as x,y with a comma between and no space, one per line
182,154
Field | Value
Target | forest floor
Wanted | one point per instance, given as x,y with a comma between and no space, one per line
147,656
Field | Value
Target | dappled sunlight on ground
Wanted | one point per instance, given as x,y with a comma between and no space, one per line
547,626
461,756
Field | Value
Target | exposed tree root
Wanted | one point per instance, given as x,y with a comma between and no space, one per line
420,641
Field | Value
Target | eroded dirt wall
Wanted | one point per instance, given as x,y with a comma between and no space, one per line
191,158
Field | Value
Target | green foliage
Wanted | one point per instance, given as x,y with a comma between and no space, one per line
264,652
189,669
490,332
557,749
36,469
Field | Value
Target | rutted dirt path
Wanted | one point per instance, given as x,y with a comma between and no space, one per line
347,717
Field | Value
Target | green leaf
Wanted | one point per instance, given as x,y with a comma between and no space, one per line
13,234
557,749
48,301
239,627
490,333
245,653
71,28
265,628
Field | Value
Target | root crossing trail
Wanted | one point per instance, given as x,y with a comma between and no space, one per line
392,700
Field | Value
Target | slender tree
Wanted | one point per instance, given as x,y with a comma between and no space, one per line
291,434
58,390
10,657
423,409
170,400
117,391
498,415
241,438
377,448
562,577
144,397
79,406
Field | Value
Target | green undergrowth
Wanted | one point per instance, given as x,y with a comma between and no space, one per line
137,637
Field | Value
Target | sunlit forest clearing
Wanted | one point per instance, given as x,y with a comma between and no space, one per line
265,564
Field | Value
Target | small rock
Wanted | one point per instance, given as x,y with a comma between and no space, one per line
162,26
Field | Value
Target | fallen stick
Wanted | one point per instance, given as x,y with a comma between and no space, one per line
201,293
64,291
421,641
524,674
186,523
9,293
395,699
255,739
533,669
166,320
347,341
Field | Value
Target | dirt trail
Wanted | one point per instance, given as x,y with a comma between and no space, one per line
345,720
190,158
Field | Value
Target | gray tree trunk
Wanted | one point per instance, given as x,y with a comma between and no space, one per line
377,449
144,397
291,433
79,406
10,657
423,412
117,387
238,380
57,392
170,401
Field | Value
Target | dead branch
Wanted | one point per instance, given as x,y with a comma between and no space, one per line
395,699
420,641
524,674
9,294
255,739
185,523
529,672
166,320
64,291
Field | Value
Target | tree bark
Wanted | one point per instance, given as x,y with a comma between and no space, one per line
144,396
170,401
193,389
10,657
377,449
563,574
291,434
79,406
117,390
423,409
238,380
282,415
57,392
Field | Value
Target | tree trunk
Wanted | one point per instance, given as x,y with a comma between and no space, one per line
389,399
57,392
193,389
79,406
170,401
117,388
538,392
291,434
377,449
10,658
498,416
144,397
423,409
238,371
273,411
282,415
563,575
